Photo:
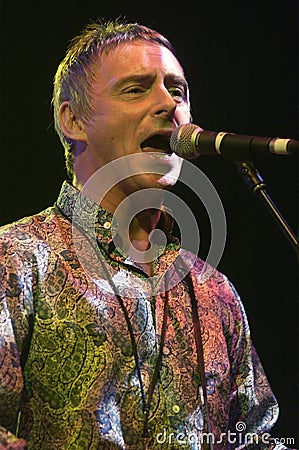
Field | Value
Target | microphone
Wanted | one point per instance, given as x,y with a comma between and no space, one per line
190,141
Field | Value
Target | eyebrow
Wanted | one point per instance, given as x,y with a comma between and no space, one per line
148,78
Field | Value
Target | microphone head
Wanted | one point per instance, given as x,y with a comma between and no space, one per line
183,140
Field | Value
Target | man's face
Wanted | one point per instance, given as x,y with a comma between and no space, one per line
139,95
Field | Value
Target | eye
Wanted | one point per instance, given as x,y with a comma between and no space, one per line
178,92
133,90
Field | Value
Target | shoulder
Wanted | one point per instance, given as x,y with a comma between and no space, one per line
25,236
28,247
214,288
24,223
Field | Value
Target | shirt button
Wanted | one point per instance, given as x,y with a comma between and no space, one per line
107,225
176,409
166,351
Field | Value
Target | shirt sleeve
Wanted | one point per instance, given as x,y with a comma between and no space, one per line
253,406
15,325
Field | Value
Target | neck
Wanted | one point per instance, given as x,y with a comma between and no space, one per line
135,224
138,245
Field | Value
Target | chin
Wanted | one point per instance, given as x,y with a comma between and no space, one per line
168,181
171,177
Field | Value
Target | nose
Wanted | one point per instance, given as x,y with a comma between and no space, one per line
163,103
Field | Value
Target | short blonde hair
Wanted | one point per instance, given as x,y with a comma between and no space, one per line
75,73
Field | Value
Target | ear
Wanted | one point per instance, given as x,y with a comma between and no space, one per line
72,127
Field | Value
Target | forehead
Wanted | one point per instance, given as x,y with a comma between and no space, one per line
136,58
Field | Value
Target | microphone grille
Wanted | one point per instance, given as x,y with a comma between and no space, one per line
182,140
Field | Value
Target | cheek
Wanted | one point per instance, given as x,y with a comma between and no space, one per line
101,130
183,115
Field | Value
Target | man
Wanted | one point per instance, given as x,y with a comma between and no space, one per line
104,345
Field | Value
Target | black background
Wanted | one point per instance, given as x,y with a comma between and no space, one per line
241,62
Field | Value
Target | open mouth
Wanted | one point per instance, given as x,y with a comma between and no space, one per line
158,143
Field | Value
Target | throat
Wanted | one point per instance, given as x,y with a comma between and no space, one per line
140,247
139,253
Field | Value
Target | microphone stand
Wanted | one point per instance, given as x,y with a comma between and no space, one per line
257,185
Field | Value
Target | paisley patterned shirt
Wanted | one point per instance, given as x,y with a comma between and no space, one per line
78,352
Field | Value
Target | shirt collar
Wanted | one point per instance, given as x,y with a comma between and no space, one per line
90,217
83,211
